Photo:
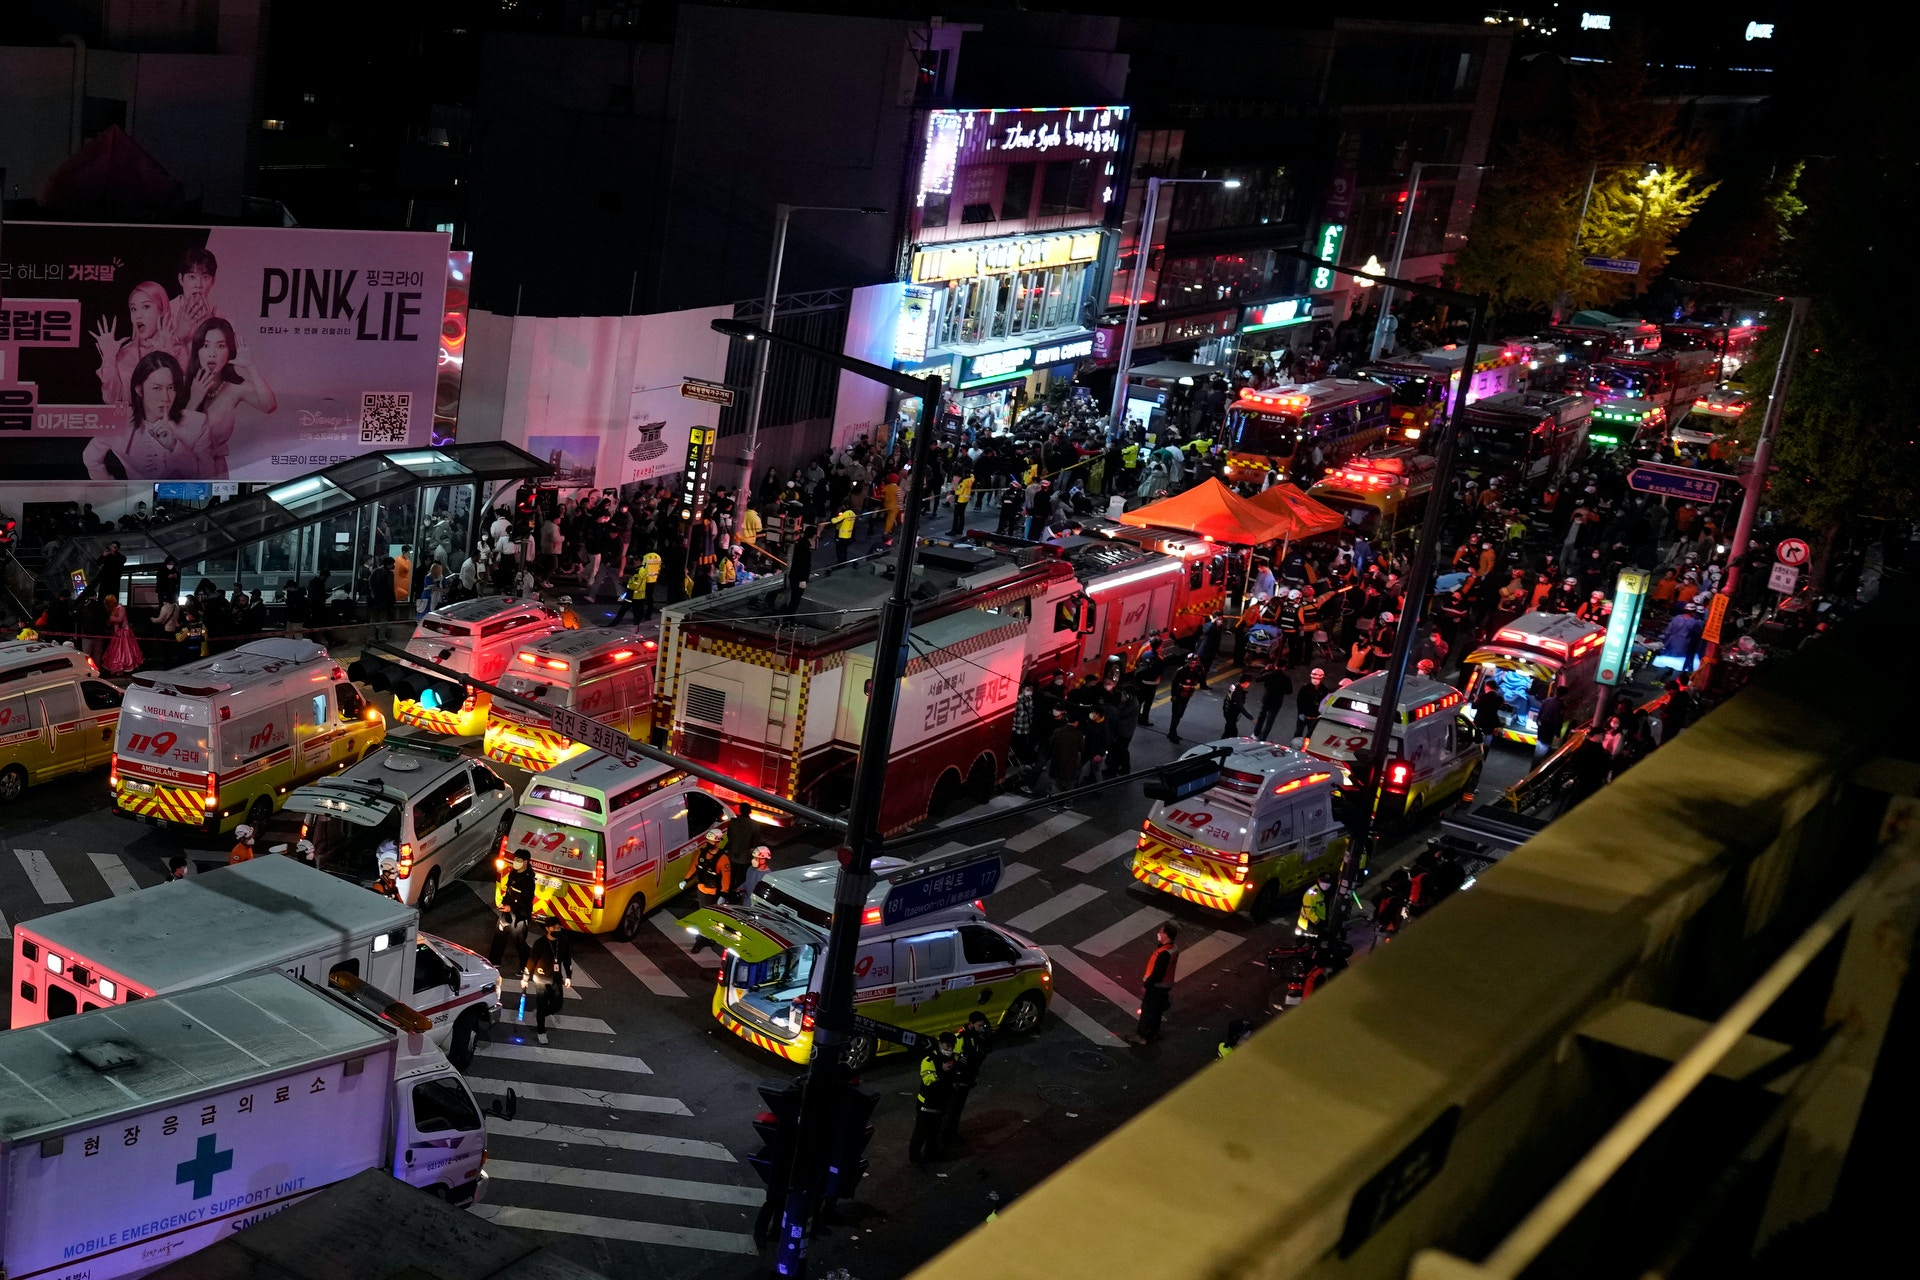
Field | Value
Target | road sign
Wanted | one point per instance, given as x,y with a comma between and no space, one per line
710,392
601,737
1665,481
1792,551
1629,595
887,1031
1619,266
939,883
1785,579
1716,613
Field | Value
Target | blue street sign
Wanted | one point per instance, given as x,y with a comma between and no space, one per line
1629,596
1675,482
935,886
1619,266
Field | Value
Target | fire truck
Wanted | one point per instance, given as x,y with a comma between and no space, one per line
778,698
1671,380
1379,493
1732,342
1424,384
1281,430
1533,435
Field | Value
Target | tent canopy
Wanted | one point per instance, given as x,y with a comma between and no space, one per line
1211,510
1176,369
1305,516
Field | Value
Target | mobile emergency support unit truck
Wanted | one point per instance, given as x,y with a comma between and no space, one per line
609,841
1249,841
477,638
133,1136
1434,757
1525,658
1531,435
1284,430
269,913
221,741
923,974
56,715
605,674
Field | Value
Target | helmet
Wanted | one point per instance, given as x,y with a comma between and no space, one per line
1386,617
388,856
566,599
1317,674
1571,583
1293,593
304,848
1598,595
243,832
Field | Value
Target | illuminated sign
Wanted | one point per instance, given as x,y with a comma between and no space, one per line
943,154
1328,247
1629,594
1212,325
1277,315
1078,349
1596,22
995,365
916,318
997,257
957,140
699,477
1759,31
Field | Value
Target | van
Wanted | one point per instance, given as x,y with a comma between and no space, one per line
926,974
477,638
604,673
1525,658
1250,840
56,714
609,841
443,812
222,740
1435,754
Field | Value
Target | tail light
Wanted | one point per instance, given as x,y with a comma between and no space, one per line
1398,774
599,883
212,799
405,868
807,1003
113,773
870,916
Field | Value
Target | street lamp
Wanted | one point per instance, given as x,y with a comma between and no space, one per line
1143,248
1400,247
782,215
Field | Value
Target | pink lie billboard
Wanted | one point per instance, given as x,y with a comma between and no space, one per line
138,353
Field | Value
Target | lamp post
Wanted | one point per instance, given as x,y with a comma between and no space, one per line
1400,247
782,215
1143,249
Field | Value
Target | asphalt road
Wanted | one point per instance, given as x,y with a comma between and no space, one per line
634,1124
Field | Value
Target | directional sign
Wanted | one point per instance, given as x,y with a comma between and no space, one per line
1619,266
1792,551
709,392
1785,579
939,883
887,1031
1664,481
601,737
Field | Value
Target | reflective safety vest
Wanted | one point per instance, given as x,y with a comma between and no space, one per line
1313,908
1223,1049
1130,456
843,523
651,563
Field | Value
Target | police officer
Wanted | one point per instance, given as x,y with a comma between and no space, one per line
1313,907
1156,985
936,1089
712,882
1186,682
516,913
971,1047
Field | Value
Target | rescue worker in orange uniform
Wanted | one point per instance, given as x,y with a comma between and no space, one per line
1156,985
712,882
242,845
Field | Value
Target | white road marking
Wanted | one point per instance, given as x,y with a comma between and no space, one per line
555,1175
1126,1001
1115,936
1104,852
1013,873
1033,837
1082,1021
667,923
647,971
604,1099
46,881
512,1012
1005,800
1071,898
6,930
612,1139
115,873
1205,952
561,1057
580,1224
583,979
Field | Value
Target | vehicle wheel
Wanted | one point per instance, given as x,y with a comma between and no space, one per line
980,779
1025,1014
632,918
429,890
460,1044
13,783
945,792
859,1052
262,810
1266,903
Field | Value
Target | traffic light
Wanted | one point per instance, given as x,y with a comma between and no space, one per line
850,1131
779,1130
403,681
1184,777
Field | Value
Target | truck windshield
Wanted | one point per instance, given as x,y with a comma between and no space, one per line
1274,434
1360,515
554,843
1618,383
1408,389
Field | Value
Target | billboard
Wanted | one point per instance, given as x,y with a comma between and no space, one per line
217,353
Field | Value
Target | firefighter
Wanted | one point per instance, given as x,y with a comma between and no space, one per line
936,1088
1592,609
970,1050
568,618
387,860
1290,620
712,882
1156,985
1186,682
650,565
242,845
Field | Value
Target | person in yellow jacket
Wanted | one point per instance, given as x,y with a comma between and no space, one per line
1237,1032
962,495
750,529
843,531
890,501
649,565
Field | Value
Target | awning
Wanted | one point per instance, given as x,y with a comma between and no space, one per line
1211,510
1177,369
1305,516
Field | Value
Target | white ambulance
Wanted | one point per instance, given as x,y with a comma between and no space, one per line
477,638
604,673
1435,754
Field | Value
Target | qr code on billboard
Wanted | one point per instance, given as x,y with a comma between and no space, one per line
383,416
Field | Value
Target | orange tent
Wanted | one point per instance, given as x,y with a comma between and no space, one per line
1305,516
1211,510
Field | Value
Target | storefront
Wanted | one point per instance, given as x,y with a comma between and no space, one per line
1268,327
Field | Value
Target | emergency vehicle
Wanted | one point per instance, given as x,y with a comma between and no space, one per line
1433,759
1249,841
1497,370
477,638
1671,380
1595,335
779,700
1199,591
1421,395
224,739
1732,343
1525,658
1281,429
1380,492
1712,418
926,974
56,715
1626,424
608,841
604,673
1532,435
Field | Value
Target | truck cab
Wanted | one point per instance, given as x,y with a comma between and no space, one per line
477,638
1433,759
1379,492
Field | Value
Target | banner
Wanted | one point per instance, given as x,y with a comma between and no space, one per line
216,353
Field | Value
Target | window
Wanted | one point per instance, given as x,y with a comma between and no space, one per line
703,811
1016,197
60,1002
430,971
29,950
447,801
100,695
1066,615
982,945
442,1106
932,955
62,703
486,780
352,705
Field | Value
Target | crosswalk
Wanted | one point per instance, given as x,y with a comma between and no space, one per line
46,881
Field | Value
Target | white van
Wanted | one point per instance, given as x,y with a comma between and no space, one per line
1435,754
477,638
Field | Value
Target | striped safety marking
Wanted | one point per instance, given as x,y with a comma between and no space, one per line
170,804
1156,850
528,747
744,653
434,718
799,733
791,1052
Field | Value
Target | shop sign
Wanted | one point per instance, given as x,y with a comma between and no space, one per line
995,365
1212,325
916,318
1061,352
997,257
1629,597
707,392
1107,338
1276,315
699,470
1328,246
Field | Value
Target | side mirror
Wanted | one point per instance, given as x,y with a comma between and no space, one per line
1084,618
505,1110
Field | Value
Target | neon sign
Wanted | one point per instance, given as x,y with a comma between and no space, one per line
1331,234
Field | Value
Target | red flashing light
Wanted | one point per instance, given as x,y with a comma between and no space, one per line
1295,785
870,916
622,655
1398,774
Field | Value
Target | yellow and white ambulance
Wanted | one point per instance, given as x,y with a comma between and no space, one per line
56,715
609,841
1249,841
222,741
1435,754
477,638
604,673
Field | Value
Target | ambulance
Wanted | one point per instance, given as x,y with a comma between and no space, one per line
477,638
1249,841
1525,658
1378,493
1433,759
925,975
603,673
608,841
222,741
56,715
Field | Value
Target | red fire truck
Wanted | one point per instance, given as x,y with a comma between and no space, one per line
778,699
1671,380
1732,342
